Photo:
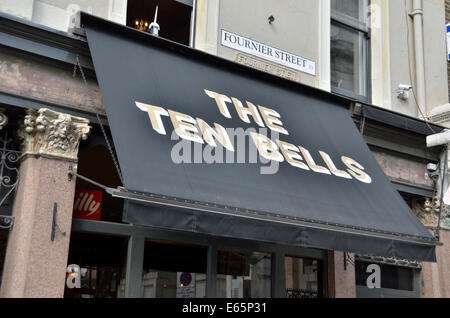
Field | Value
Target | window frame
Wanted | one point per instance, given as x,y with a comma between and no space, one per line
136,244
365,292
352,24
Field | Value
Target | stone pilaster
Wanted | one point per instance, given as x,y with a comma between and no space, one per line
35,265
341,276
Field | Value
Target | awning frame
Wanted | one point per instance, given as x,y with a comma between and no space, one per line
179,203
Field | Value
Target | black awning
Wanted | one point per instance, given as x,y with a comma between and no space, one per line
315,184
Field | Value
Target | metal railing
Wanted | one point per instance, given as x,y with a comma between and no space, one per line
301,293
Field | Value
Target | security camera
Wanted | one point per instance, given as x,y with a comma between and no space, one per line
402,91
405,87
431,167
433,172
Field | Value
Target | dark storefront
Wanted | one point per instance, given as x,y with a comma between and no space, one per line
228,230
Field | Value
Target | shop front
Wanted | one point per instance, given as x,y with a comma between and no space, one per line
235,183
219,181
145,262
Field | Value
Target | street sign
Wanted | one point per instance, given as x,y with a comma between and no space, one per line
185,285
88,204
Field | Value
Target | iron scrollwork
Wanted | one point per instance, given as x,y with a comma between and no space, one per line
9,176
6,222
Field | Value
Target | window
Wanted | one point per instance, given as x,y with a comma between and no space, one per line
101,260
174,16
349,48
243,274
303,279
392,277
57,14
174,270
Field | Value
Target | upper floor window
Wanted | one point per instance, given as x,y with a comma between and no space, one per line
174,16
350,35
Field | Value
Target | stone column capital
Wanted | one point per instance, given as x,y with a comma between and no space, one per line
427,210
52,134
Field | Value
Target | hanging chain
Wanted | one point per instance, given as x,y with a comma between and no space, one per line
362,122
108,144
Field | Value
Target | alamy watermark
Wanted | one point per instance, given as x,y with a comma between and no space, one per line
74,274
374,279
244,150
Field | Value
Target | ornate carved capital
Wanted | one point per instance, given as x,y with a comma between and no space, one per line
428,211
51,134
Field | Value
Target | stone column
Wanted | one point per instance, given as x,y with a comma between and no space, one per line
341,277
35,265
435,280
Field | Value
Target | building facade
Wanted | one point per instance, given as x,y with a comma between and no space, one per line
386,58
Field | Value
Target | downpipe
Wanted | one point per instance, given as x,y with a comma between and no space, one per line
417,16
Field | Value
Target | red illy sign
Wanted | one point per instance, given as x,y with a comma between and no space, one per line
88,204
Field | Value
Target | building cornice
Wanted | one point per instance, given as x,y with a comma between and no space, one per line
31,37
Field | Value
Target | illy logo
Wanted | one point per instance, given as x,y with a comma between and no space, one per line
87,204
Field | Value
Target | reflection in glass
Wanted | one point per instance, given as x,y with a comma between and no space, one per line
163,284
301,277
57,14
174,270
348,59
392,277
354,9
101,260
243,274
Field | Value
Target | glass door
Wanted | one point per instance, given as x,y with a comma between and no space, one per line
303,277
174,270
243,274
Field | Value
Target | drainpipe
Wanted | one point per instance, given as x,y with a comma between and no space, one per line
417,15
193,18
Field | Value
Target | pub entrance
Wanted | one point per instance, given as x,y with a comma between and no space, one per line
121,260
124,260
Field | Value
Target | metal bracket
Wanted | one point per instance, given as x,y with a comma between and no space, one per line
54,224
72,173
345,261
415,12
347,258
6,222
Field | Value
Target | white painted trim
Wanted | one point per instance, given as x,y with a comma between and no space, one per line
323,78
380,54
117,11
207,26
